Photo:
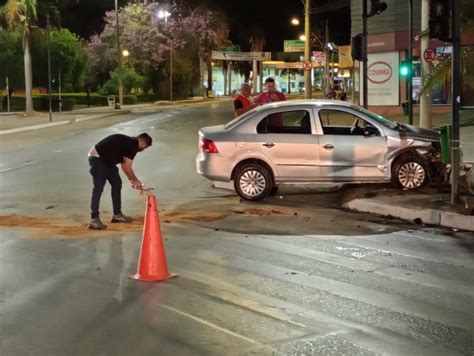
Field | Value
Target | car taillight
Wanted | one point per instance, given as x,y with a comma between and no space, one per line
208,146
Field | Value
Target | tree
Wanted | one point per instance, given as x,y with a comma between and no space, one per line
149,40
68,58
21,14
11,58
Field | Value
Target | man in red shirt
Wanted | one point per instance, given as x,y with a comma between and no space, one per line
242,102
271,94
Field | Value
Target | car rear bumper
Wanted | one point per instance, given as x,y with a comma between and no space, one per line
214,167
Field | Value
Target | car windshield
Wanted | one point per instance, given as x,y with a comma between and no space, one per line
231,124
380,119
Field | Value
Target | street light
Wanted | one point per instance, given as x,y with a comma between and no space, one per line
125,53
295,21
164,14
302,38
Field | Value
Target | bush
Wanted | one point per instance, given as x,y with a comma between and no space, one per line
41,103
146,98
129,99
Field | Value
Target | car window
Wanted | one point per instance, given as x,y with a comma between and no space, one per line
286,122
338,122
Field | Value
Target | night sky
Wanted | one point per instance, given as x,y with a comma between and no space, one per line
85,18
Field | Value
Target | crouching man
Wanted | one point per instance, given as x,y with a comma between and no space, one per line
103,160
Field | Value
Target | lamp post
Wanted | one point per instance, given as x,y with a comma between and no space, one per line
307,49
49,71
164,14
119,54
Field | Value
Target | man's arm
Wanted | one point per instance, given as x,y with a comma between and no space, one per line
127,169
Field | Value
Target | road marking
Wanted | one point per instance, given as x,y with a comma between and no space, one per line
202,321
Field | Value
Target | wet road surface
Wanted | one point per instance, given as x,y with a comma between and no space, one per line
291,276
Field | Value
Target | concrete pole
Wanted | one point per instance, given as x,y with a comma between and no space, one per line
49,71
8,94
255,77
410,56
456,104
119,54
366,58
425,98
307,49
326,65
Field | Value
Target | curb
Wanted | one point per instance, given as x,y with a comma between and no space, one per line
427,216
78,118
35,127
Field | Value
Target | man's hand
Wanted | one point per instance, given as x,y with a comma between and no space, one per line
136,184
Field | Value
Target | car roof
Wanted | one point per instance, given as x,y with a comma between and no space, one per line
301,102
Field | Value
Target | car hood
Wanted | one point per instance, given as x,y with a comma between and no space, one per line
419,133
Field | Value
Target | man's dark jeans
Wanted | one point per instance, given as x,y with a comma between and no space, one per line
102,172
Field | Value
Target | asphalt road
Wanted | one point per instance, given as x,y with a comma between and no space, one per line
292,276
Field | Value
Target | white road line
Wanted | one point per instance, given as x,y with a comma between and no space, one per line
202,321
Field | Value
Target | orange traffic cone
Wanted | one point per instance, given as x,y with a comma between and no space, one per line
152,262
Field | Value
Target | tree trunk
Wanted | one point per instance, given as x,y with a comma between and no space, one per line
425,98
28,76
209,75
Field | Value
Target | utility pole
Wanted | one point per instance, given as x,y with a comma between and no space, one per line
8,94
425,97
60,92
49,71
410,58
307,50
119,54
326,65
365,81
456,101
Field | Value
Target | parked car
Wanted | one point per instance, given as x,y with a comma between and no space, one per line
311,141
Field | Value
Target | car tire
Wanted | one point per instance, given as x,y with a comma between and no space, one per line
253,182
410,172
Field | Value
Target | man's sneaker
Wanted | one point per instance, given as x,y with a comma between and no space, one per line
96,224
120,218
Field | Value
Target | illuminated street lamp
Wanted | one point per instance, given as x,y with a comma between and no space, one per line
302,38
164,14
125,53
295,21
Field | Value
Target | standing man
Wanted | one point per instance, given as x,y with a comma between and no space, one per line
242,102
271,94
103,160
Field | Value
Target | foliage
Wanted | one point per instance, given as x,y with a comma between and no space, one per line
130,80
68,57
188,33
11,59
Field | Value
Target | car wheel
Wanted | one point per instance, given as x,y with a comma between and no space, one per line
253,182
409,172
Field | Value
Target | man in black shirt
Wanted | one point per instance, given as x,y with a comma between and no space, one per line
103,160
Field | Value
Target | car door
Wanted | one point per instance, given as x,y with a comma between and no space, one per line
351,148
285,137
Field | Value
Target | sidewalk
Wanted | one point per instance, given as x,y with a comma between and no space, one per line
419,208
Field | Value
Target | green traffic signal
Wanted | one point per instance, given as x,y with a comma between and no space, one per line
406,68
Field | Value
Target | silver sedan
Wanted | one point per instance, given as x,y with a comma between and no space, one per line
315,141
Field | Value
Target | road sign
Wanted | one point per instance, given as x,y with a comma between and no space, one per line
429,55
319,56
241,56
235,48
307,65
293,46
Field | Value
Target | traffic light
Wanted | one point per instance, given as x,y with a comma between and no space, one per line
439,19
377,7
357,50
406,68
